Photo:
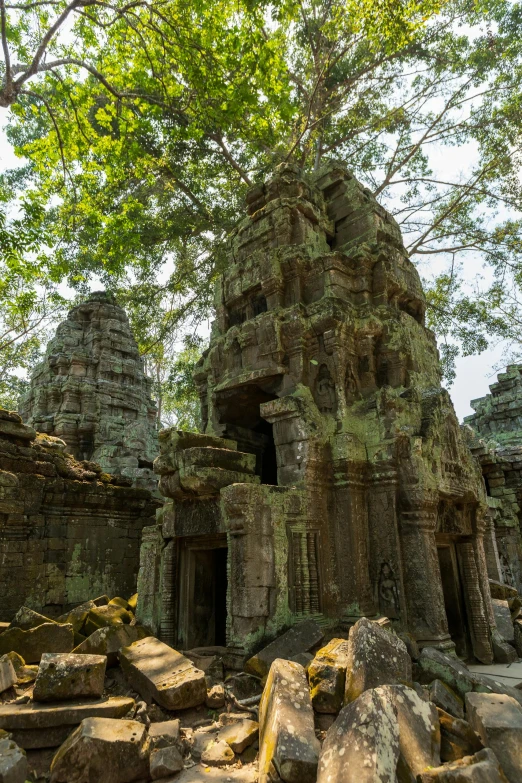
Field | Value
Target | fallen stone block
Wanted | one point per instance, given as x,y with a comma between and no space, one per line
199,774
24,674
4,626
502,591
218,754
483,683
375,657
165,733
8,676
457,738
300,638
165,761
77,616
483,767
201,740
445,697
503,652
436,665
515,605
362,746
32,716
27,618
162,674
133,602
503,620
419,731
101,616
497,720
240,734
35,739
31,644
13,762
287,740
215,697
69,676
109,640
327,676
112,751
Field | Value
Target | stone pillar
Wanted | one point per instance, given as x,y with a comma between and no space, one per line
169,596
351,540
490,547
149,578
422,582
473,566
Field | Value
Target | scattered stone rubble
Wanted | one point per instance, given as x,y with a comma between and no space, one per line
68,530
91,391
361,711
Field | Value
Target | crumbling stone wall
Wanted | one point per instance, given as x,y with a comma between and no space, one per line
495,435
360,497
68,531
91,391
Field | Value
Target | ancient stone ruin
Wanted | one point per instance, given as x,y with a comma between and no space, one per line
91,391
68,531
496,440
332,480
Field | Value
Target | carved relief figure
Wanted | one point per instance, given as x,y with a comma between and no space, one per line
325,390
389,604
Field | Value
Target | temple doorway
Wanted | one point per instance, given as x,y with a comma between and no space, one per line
203,595
454,598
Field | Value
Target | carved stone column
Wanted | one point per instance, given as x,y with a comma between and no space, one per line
422,582
473,562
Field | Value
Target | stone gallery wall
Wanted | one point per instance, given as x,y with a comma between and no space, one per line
68,531
495,435
340,482
91,391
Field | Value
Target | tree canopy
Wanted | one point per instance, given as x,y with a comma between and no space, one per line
143,122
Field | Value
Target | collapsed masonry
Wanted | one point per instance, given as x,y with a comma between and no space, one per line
332,480
91,391
496,440
68,531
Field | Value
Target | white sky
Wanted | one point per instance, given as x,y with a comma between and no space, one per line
474,373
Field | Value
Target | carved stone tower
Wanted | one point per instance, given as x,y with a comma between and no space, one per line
91,391
332,479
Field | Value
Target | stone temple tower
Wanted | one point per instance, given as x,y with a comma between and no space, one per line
332,480
91,391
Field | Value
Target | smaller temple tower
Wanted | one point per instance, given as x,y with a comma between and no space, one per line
91,391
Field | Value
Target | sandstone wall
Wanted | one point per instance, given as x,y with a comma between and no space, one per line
68,532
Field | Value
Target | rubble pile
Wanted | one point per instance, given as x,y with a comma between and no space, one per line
92,696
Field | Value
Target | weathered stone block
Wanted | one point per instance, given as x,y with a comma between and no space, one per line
115,751
158,672
165,761
362,746
498,722
13,762
483,767
327,676
109,639
300,638
503,620
287,740
69,676
445,697
8,676
457,738
165,733
434,664
375,657
240,734
419,731
14,717
31,644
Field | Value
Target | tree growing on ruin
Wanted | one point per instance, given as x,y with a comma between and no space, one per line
143,123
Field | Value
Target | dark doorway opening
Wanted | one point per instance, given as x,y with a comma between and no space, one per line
453,598
239,410
203,617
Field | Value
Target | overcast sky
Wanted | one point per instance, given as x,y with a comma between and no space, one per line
474,373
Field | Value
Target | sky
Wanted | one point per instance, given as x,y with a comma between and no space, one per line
474,374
